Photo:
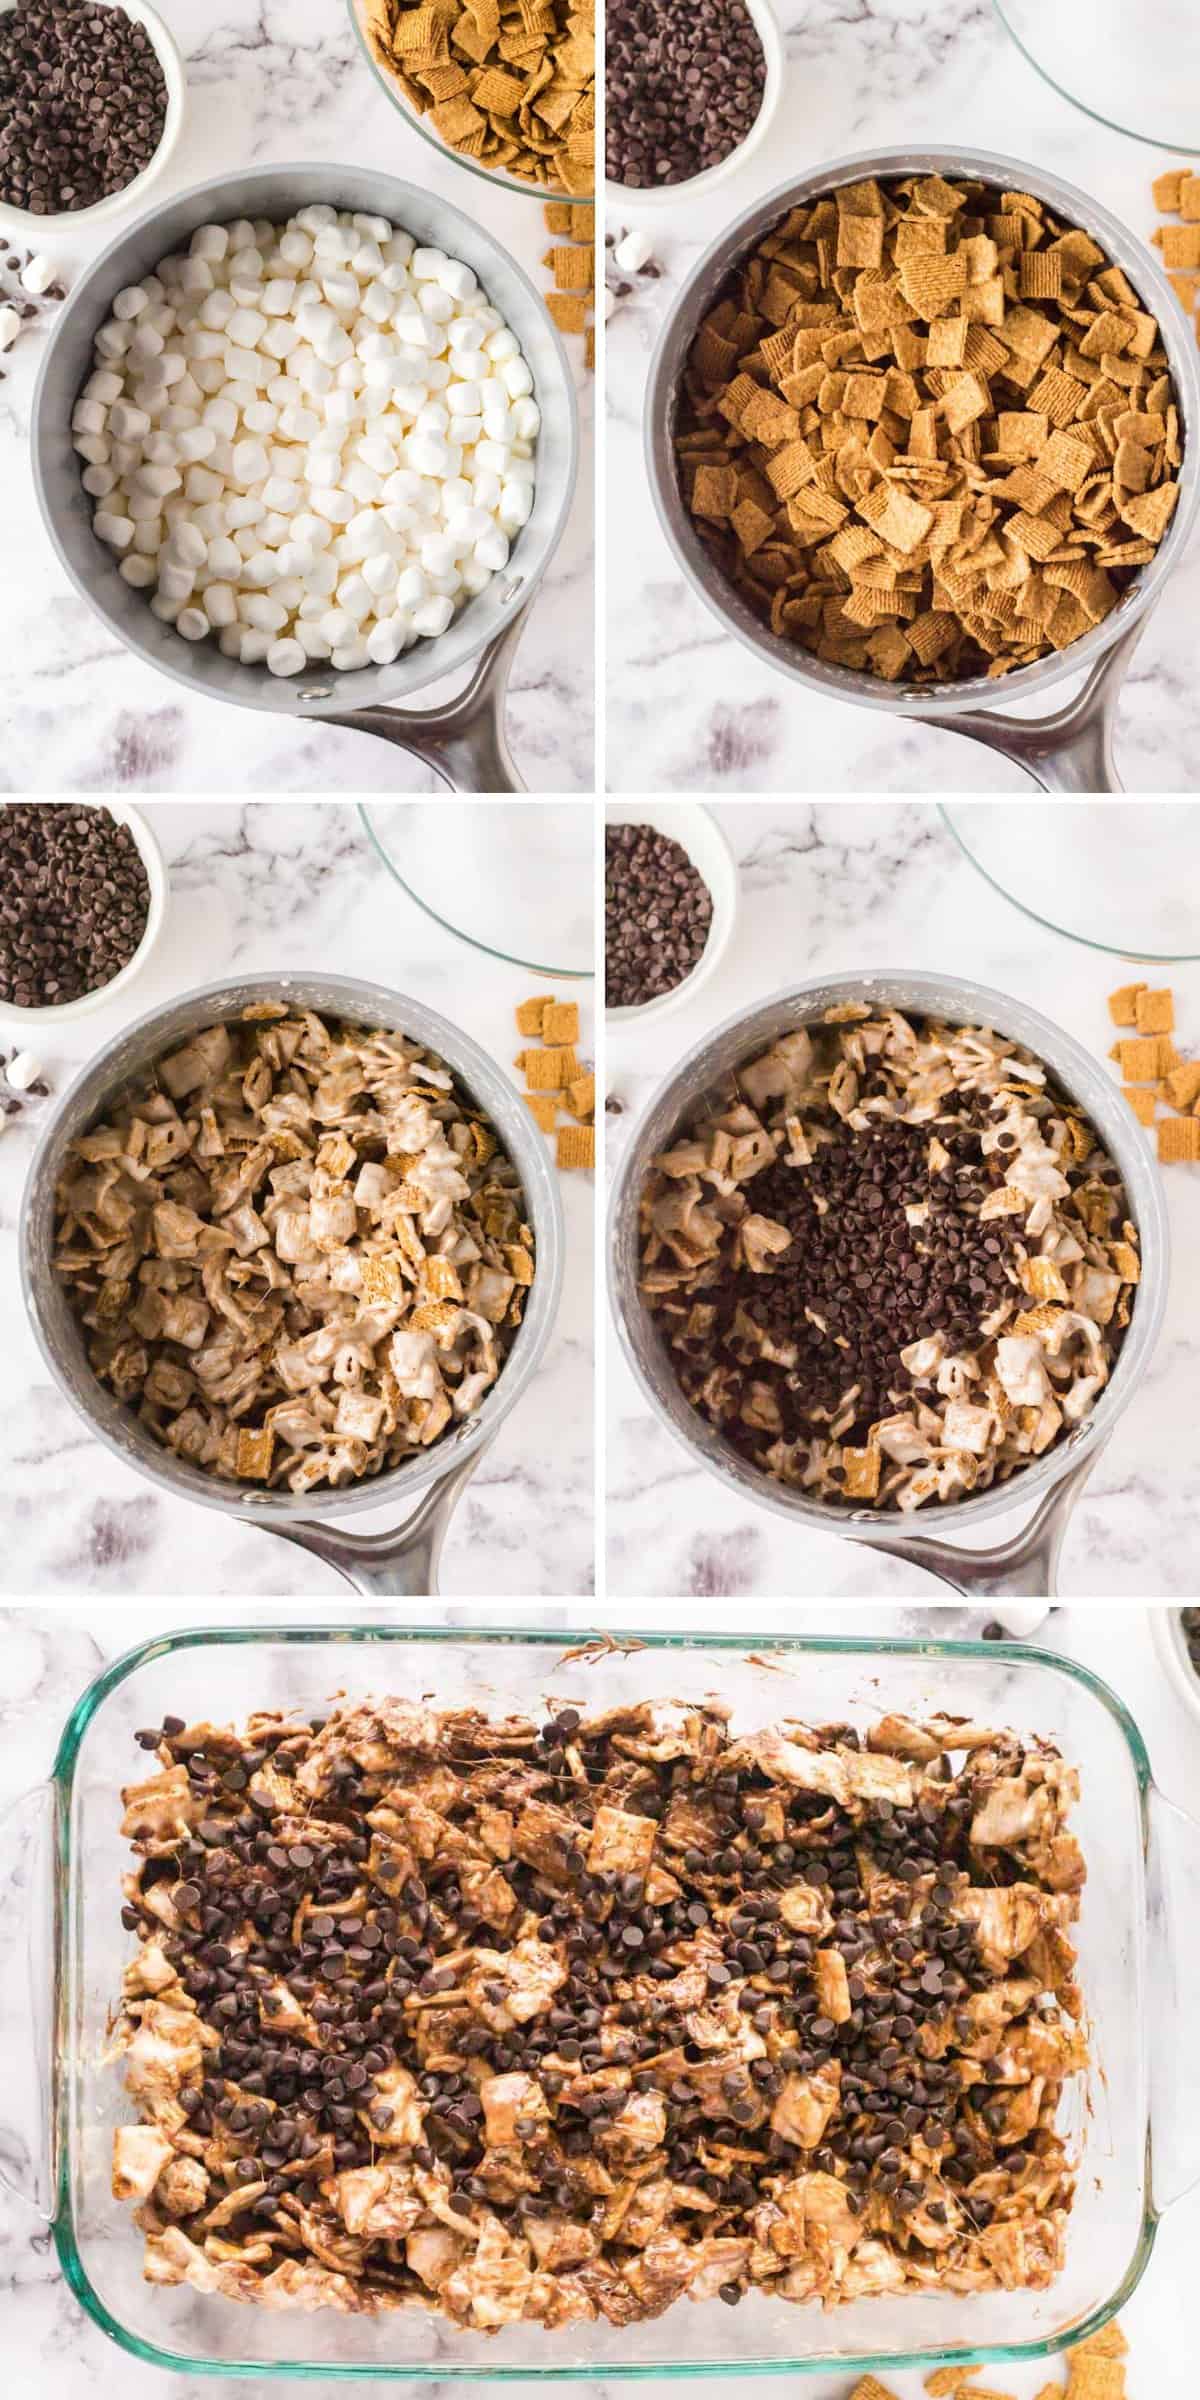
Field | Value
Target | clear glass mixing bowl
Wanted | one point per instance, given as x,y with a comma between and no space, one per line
1118,875
422,125
1136,69
514,878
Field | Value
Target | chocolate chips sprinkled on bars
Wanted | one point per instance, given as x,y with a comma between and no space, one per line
546,2021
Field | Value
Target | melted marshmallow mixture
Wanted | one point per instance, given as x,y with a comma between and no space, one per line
313,441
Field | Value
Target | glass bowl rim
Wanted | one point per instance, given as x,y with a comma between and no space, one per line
560,1638
1153,141
950,812
507,958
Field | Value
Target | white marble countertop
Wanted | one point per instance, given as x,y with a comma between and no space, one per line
79,711
257,888
689,709
48,1656
835,888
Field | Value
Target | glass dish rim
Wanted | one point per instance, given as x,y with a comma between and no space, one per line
1153,141
495,176
507,958
559,1639
1084,941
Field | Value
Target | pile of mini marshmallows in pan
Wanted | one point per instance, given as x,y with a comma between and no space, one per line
314,441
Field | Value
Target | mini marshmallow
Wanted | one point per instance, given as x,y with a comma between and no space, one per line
210,242
26,1068
131,301
220,602
385,641
10,326
116,531
188,546
432,616
266,614
633,252
516,500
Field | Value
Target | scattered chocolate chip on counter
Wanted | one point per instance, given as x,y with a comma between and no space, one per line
657,914
83,104
74,900
541,2020
684,81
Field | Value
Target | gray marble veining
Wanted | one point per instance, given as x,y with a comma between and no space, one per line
688,709
839,887
266,83
260,887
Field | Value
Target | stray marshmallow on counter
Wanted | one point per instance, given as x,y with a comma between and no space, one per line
314,442
23,1070
632,252
38,274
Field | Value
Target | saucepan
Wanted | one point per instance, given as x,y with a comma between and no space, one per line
1025,1563
1070,750
398,1562
464,740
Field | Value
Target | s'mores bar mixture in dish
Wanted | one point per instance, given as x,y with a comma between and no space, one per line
296,1249
929,431
891,1262
538,2022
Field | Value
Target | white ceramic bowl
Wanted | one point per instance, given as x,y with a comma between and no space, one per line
697,832
37,232
34,1020
626,198
1170,1641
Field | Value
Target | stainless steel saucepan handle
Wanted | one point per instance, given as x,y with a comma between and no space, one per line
466,741
1023,1568
1071,751
397,1565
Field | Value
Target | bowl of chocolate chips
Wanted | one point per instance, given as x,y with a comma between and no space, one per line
670,904
691,87
887,1250
91,107
84,899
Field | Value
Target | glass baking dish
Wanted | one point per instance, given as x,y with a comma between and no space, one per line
1140,1973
